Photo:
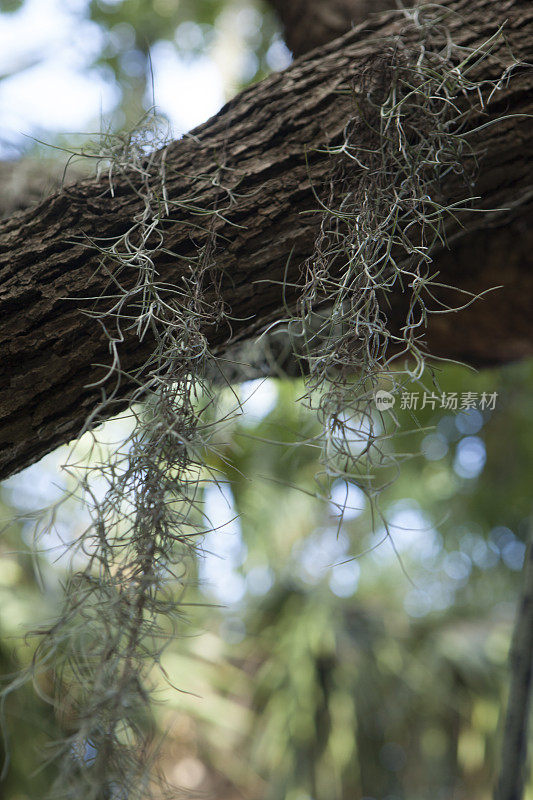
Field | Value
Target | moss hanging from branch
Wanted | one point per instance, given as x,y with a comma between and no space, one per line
382,218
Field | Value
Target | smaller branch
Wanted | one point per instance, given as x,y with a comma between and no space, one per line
514,749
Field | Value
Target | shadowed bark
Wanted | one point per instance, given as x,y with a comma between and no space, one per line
312,23
264,148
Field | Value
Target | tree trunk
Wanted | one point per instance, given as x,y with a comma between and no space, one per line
263,148
312,23
512,777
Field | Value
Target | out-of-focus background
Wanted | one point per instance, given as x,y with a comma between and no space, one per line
319,659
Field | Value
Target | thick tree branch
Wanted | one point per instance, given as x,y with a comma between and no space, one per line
263,148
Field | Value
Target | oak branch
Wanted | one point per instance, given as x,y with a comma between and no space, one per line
263,150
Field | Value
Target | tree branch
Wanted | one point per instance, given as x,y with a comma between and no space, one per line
253,171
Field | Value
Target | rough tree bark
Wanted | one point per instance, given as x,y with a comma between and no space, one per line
263,145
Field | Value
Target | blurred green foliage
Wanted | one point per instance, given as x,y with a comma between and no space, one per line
394,689
307,674
8,6
240,36
134,26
